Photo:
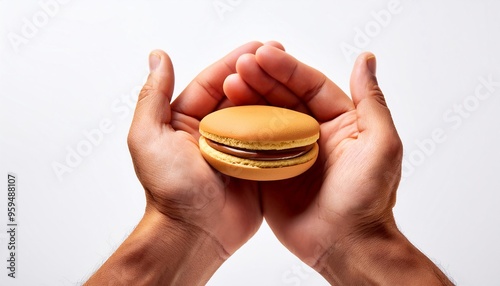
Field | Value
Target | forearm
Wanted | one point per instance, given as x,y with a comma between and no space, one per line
386,258
162,252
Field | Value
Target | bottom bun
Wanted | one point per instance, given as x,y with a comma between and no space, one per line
253,169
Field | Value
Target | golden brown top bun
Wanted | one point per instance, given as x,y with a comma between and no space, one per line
260,127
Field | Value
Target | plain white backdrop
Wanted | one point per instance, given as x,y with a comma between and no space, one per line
72,69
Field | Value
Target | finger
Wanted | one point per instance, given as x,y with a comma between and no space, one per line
275,44
272,90
240,93
153,105
373,114
205,93
323,98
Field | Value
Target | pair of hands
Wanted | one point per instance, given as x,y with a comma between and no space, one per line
336,217
348,193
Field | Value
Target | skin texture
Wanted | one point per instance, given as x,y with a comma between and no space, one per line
178,182
200,209
337,217
358,147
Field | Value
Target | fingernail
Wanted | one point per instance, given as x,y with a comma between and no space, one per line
154,61
371,63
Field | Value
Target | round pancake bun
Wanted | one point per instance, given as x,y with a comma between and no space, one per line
259,127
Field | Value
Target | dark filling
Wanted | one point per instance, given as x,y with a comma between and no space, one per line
260,155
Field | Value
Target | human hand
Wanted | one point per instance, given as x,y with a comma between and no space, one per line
163,142
334,215
348,187
195,217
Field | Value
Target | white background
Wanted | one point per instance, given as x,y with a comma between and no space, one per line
83,63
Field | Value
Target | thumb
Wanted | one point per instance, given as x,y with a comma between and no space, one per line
153,105
373,114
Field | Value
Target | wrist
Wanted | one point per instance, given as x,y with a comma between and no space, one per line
162,251
382,256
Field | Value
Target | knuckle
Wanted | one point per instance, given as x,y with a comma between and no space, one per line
395,147
136,138
132,139
377,94
149,88
146,91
